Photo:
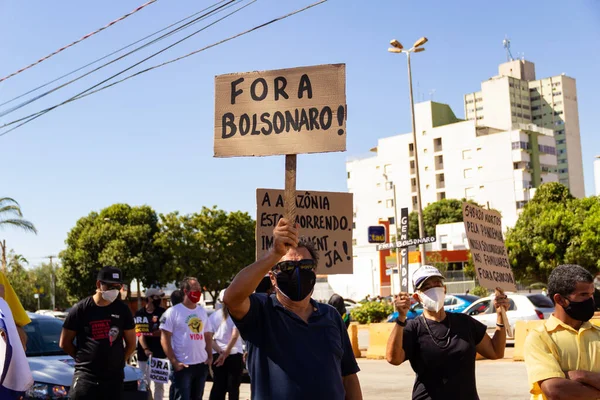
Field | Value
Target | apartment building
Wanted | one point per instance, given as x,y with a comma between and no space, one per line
499,168
515,96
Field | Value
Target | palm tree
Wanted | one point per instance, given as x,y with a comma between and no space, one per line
11,215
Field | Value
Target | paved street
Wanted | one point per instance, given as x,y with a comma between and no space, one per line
496,380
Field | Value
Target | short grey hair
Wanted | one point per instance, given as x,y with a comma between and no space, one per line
564,279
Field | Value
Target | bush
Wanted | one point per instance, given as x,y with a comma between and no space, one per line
371,311
480,291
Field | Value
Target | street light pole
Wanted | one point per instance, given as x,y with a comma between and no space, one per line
398,48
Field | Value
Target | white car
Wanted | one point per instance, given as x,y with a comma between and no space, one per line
522,307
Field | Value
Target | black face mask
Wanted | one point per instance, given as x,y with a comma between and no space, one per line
296,284
156,302
581,310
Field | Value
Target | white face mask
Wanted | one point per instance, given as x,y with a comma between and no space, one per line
110,295
433,299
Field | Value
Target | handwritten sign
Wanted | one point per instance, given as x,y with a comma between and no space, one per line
159,370
324,217
288,111
484,232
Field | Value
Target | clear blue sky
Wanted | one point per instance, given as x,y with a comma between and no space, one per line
150,140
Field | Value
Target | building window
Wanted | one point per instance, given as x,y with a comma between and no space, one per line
426,168
561,141
479,109
441,196
558,112
562,160
413,182
424,133
469,193
389,203
387,169
412,164
526,116
437,144
389,185
562,151
481,187
414,200
547,149
425,150
354,225
466,154
525,107
353,242
392,220
521,145
535,108
563,170
480,168
348,175
521,204
468,173
556,94
564,182
535,98
561,132
411,148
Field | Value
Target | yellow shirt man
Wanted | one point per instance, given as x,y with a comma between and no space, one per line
555,348
18,312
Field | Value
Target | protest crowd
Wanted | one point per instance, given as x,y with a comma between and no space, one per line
297,348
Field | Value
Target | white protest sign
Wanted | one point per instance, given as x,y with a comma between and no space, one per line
159,369
277,112
484,232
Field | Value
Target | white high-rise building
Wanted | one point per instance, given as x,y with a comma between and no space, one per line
597,175
516,97
457,159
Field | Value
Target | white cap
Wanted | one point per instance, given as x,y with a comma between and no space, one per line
424,273
154,292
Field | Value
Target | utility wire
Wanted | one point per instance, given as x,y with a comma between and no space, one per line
193,22
79,40
85,93
108,55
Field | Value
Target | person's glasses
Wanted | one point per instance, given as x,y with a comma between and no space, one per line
290,265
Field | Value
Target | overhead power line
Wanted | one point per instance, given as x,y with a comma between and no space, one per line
79,40
164,36
108,55
90,90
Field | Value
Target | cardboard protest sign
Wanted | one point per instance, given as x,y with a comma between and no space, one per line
287,111
324,217
159,369
484,232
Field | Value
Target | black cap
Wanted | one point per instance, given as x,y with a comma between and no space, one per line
110,275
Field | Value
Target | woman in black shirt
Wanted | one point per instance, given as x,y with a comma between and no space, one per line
440,346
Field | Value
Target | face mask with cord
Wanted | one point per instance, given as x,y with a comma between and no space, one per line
433,299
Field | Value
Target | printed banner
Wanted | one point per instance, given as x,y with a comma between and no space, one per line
324,217
159,369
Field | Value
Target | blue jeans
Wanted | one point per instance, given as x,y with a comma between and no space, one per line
188,384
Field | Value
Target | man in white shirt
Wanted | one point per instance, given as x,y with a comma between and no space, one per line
228,350
186,339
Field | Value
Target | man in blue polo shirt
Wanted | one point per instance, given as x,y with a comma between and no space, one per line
297,348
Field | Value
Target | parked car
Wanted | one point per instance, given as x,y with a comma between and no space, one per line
56,314
53,369
453,303
522,307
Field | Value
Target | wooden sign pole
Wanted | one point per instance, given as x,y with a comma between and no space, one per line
289,196
505,322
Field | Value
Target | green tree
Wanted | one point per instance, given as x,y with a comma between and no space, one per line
554,228
119,235
212,245
445,211
21,280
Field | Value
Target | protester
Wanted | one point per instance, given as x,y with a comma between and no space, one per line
104,330
187,341
16,377
297,348
176,297
337,302
227,353
18,312
147,321
563,355
440,346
